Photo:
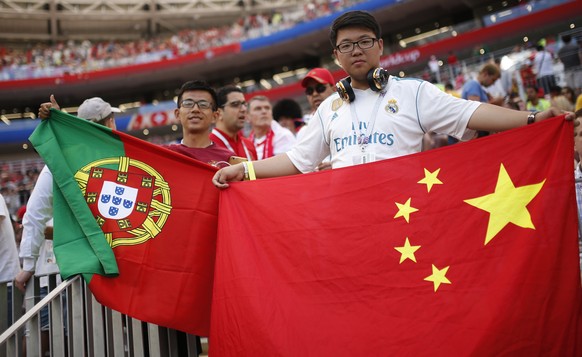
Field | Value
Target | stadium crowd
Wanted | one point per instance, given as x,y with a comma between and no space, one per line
72,57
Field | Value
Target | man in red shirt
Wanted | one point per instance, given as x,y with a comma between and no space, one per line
197,111
232,115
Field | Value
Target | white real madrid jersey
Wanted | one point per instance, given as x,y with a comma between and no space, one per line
407,110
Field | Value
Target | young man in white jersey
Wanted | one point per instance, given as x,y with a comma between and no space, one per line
381,116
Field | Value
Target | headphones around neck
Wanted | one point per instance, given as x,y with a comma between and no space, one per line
377,80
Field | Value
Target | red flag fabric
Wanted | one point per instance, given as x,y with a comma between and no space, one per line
468,250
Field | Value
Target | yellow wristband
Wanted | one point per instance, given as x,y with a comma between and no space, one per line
251,168
246,175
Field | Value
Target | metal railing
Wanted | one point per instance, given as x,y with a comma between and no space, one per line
68,321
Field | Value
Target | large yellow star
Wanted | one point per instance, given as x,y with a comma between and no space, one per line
404,210
438,277
407,251
430,179
507,204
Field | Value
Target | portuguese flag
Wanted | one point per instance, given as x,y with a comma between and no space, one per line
138,220
468,250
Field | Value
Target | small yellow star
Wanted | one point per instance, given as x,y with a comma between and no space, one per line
404,210
438,277
507,204
430,179
407,251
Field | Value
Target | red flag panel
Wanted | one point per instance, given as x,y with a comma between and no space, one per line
468,250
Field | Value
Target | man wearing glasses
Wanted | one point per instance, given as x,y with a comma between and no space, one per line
197,111
381,118
232,116
319,84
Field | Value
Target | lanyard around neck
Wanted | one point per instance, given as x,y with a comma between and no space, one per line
229,147
364,137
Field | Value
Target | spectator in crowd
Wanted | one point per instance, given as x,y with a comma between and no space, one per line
269,137
534,102
474,89
570,95
232,116
319,84
11,197
9,263
346,126
197,111
449,89
570,55
543,66
515,102
434,68
502,86
453,63
559,100
287,112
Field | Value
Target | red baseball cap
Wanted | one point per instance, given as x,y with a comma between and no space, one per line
321,75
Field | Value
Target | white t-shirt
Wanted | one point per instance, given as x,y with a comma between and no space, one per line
408,109
39,211
9,263
283,140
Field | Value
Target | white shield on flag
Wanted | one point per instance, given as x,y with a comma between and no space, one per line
116,201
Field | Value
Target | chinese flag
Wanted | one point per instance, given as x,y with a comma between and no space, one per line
139,221
468,250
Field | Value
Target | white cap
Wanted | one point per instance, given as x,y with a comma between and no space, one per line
95,109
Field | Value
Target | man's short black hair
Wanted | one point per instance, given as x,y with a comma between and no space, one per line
357,18
197,85
224,92
566,38
287,108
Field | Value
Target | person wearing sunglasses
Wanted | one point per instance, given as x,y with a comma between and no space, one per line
232,116
319,84
197,111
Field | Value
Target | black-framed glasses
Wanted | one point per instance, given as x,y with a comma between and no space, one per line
363,44
202,104
235,104
319,88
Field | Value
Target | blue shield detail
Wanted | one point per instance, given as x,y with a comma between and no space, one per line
127,203
119,190
116,200
105,198
113,211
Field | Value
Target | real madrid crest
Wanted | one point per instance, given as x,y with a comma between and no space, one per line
336,104
131,204
391,107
